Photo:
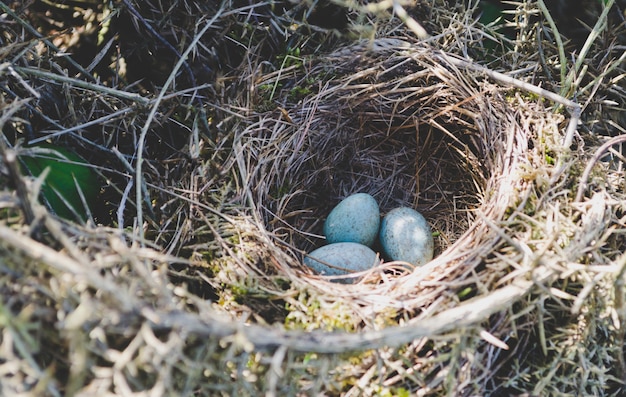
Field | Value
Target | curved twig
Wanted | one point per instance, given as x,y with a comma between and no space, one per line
596,156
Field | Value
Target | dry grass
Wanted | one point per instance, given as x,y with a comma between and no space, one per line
247,127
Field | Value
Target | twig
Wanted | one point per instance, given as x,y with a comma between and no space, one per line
161,39
410,23
593,35
82,84
467,314
4,7
582,186
621,311
12,240
99,121
153,111
10,160
573,107
503,78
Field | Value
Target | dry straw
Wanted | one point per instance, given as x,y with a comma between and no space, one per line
525,294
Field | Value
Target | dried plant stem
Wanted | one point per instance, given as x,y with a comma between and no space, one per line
144,131
574,108
82,84
503,78
411,23
161,40
4,7
468,314
79,127
24,346
582,186
620,307
12,240
9,157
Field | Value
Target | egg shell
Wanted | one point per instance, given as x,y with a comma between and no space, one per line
355,219
406,236
341,259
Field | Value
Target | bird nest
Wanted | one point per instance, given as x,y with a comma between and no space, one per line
411,126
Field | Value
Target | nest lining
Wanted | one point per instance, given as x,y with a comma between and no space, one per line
402,124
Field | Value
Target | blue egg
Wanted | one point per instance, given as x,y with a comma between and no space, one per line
406,236
340,259
356,219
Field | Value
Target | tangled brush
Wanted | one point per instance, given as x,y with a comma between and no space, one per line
208,294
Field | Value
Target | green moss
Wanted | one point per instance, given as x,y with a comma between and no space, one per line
309,313
298,93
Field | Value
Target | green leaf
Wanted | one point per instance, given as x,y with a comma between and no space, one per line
70,187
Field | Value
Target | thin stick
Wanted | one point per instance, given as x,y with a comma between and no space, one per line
503,78
582,186
82,84
153,111
410,23
99,121
468,314
34,32
10,160
574,108
11,239
162,40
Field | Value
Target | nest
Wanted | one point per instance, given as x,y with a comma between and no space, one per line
412,127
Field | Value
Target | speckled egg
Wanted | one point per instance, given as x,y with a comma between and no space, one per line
341,259
355,219
406,236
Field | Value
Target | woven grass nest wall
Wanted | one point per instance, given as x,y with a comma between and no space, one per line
246,152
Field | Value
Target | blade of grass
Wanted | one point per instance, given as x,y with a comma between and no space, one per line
559,44
572,80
